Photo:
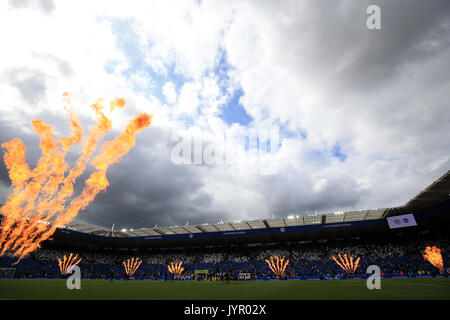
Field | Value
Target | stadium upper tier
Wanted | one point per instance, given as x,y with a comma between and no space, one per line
234,226
436,194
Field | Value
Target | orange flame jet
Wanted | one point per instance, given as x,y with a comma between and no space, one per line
175,268
67,263
346,263
39,202
434,256
278,268
131,265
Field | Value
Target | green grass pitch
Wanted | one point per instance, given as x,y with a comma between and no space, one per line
426,288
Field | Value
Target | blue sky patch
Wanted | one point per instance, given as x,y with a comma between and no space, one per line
234,112
128,42
337,152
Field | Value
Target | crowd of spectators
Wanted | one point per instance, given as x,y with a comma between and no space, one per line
306,260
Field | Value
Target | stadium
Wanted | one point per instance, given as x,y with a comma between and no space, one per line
224,153
228,260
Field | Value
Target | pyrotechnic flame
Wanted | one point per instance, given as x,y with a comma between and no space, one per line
67,263
346,263
280,266
434,256
39,201
175,268
131,266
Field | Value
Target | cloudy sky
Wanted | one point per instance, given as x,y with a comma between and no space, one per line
362,115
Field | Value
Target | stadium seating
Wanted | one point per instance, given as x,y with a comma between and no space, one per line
307,260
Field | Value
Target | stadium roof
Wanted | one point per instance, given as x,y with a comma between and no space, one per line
434,195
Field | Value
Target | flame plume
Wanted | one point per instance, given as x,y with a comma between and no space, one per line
434,256
279,267
346,263
131,265
67,263
175,268
42,198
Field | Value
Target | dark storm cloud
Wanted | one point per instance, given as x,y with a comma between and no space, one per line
412,31
332,38
146,188
291,192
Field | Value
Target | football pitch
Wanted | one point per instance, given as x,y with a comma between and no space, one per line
425,288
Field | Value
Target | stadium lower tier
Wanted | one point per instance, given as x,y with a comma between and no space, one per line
306,260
